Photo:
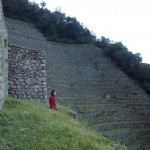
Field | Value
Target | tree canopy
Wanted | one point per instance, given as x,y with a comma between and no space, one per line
56,26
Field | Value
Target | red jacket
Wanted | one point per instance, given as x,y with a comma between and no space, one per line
52,102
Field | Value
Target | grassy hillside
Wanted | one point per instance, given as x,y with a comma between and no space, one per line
32,125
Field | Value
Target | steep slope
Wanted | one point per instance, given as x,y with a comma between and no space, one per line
25,34
104,97
32,125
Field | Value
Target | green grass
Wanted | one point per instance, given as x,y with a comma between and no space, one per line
107,110
121,122
119,131
31,125
142,133
139,140
102,116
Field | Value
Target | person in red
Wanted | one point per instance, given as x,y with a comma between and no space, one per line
52,100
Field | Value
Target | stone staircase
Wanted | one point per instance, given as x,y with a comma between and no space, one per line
104,97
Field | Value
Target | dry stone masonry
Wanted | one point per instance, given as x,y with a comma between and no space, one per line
3,59
27,73
27,64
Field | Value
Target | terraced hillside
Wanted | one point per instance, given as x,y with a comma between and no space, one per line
104,97
25,35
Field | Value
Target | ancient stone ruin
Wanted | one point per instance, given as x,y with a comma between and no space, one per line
27,73
27,66
27,62
101,94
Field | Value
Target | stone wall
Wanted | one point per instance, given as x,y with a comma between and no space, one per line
3,59
27,73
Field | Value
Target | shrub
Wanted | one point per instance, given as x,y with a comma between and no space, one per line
114,47
144,72
103,42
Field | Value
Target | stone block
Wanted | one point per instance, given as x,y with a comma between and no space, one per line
30,81
43,71
44,83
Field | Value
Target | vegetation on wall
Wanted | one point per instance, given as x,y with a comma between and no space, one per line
5,43
130,63
56,26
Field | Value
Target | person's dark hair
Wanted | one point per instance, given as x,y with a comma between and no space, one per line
52,92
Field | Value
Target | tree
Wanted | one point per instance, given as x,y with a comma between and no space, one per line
43,4
144,72
103,42
54,25
144,76
128,61
114,47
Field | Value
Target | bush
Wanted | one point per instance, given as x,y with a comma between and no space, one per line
103,42
128,61
114,47
147,86
144,72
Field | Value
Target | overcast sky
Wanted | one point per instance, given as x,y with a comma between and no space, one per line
119,20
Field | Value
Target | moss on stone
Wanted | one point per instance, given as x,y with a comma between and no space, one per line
1,41
5,43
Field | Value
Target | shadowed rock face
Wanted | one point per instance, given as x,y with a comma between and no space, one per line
103,96
3,59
